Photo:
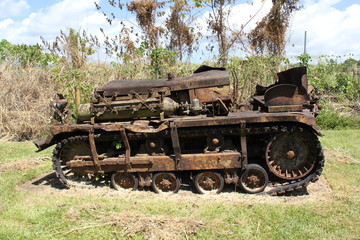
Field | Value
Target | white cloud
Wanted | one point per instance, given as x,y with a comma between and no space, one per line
329,30
247,15
47,22
6,23
11,8
95,18
242,17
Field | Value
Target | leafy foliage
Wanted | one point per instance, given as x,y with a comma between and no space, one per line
23,55
252,70
331,119
159,57
339,79
338,85
304,59
72,49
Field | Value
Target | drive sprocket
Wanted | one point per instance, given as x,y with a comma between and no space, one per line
67,150
292,153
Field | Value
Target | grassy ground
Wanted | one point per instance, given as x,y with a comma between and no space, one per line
77,214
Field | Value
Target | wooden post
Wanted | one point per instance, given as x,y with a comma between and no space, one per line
77,98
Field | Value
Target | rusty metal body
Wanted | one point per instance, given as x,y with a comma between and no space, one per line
156,132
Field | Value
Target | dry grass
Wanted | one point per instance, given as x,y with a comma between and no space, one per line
130,224
25,95
23,165
152,226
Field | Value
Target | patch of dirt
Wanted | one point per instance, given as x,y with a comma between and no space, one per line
49,184
153,226
336,156
21,165
129,224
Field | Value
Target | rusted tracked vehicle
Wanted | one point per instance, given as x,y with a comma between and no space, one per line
160,132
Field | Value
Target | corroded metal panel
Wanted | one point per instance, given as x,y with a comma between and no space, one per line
147,163
213,93
198,80
283,94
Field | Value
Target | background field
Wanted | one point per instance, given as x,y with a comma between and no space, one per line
41,209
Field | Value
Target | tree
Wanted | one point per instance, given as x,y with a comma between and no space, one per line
23,55
269,34
181,35
220,11
146,12
165,24
72,50
72,47
162,33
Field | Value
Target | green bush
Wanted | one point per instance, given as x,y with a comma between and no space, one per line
331,119
23,55
336,79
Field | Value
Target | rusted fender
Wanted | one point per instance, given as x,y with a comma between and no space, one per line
43,143
58,132
283,94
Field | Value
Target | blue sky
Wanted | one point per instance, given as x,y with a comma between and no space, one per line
333,26
342,5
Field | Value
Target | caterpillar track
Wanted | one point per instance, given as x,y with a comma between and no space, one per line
275,186
163,134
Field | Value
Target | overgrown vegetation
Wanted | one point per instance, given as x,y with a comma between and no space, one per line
338,87
26,91
31,74
252,70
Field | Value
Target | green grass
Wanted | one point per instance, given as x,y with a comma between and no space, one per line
59,215
346,142
16,151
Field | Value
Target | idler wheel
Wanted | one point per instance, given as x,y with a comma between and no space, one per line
165,182
209,182
122,180
253,179
291,155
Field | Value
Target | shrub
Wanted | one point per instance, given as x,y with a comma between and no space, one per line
331,119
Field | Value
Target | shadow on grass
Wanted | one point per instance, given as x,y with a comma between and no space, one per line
50,180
